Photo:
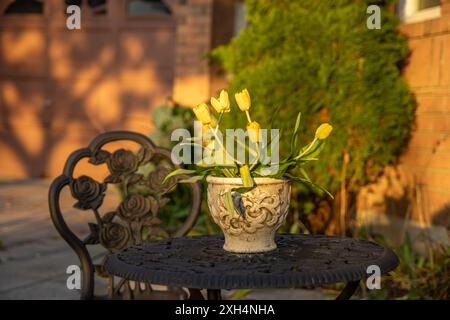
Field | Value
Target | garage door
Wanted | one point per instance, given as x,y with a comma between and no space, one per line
60,87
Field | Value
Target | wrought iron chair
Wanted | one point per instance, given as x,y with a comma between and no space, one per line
135,220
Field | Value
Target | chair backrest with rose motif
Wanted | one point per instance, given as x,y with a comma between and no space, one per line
138,175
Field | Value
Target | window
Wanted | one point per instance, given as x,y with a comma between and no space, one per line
239,17
425,4
25,7
96,6
147,7
419,10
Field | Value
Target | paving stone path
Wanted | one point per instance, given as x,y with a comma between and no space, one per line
34,258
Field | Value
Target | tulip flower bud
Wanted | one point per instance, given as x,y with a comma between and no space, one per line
222,104
216,104
202,113
323,131
243,100
254,131
246,176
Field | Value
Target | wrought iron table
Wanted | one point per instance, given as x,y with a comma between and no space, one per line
299,261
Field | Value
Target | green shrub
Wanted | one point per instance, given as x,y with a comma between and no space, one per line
417,277
318,57
166,119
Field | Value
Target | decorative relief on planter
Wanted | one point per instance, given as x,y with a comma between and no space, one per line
264,210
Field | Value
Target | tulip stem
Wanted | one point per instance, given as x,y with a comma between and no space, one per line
257,157
214,130
248,116
307,149
250,150
220,118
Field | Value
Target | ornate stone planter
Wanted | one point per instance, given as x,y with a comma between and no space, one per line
264,210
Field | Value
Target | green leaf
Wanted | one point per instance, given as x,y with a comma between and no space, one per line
177,172
282,168
274,115
245,146
192,179
310,183
295,133
308,159
229,202
240,294
227,172
203,164
312,150
169,188
243,189
275,141
304,174
317,150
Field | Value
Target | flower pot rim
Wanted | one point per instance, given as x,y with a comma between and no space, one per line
238,181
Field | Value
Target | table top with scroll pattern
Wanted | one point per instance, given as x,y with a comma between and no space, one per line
299,261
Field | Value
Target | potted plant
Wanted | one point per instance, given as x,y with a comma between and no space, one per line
248,197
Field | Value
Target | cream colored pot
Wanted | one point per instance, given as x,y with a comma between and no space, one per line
264,210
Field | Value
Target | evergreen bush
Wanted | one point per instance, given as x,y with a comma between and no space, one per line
319,57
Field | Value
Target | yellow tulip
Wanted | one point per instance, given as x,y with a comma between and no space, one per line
202,113
206,135
323,131
246,176
222,104
243,100
253,129
216,104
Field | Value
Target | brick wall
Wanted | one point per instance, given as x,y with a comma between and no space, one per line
193,42
422,178
428,74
